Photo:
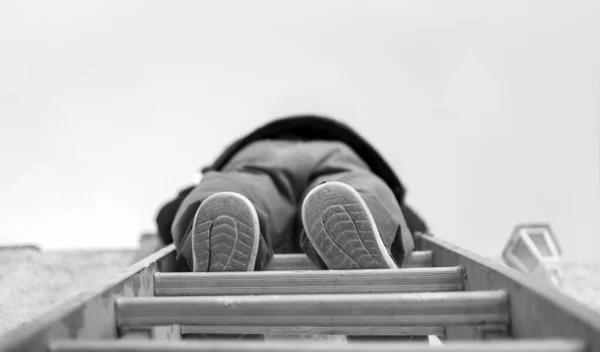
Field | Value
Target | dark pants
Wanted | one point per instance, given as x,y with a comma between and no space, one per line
276,175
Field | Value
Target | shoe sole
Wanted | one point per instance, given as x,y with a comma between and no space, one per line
341,228
226,234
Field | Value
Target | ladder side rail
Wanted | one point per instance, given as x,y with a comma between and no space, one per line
537,309
90,314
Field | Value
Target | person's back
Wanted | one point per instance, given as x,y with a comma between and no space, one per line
301,184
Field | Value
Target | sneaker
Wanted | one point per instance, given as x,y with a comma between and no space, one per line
341,228
226,234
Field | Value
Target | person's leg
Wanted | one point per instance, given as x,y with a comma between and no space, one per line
351,217
234,215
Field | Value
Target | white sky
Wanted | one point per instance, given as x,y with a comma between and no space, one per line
489,111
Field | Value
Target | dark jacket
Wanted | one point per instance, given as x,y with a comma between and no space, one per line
306,127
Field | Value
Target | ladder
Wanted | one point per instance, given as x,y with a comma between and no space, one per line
468,301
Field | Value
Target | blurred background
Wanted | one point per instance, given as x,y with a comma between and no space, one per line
489,111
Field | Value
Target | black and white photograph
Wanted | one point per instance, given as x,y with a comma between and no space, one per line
299,175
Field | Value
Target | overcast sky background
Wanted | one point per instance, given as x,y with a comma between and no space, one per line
489,111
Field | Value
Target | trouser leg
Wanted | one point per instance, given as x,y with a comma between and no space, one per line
274,211
344,165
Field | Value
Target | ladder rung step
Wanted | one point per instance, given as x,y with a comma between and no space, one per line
295,282
417,259
312,346
316,330
332,310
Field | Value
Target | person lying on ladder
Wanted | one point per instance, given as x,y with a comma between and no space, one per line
298,184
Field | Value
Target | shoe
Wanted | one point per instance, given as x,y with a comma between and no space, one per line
226,234
341,228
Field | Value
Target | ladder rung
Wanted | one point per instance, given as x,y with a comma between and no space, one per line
296,282
333,310
316,330
312,346
417,259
